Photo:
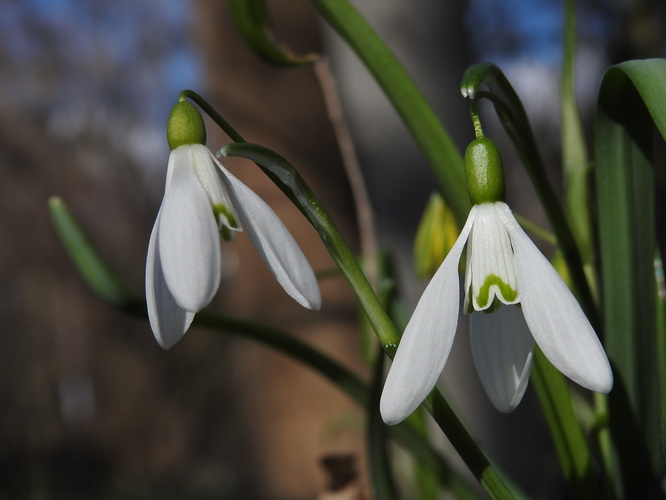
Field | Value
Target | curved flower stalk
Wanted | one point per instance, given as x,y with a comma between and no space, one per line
515,297
203,201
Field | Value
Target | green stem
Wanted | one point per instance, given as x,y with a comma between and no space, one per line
380,464
570,444
103,282
464,444
476,119
409,102
210,111
291,183
574,154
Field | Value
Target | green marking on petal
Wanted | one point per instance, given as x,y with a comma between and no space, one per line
226,221
508,294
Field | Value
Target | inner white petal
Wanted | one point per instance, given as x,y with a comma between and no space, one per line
491,272
204,166
502,351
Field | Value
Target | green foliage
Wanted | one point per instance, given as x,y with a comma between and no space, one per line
631,102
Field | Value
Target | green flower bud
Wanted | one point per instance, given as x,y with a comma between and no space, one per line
435,236
483,168
185,126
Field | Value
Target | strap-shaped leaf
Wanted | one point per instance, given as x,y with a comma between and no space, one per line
253,23
88,262
632,99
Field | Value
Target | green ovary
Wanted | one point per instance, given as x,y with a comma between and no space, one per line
507,293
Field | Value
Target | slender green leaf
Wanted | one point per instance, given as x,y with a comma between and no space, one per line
92,268
427,483
577,167
252,20
380,464
632,99
570,443
409,102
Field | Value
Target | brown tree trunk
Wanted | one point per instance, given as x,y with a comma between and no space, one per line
290,417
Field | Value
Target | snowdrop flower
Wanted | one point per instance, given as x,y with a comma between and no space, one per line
203,201
515,297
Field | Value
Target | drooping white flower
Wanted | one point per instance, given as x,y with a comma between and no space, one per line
515,297
203,200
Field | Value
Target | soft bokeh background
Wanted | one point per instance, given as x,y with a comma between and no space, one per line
90,406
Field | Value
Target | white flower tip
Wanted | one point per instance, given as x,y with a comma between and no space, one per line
599,380
467,92
393,409
168,321
310,299
164,344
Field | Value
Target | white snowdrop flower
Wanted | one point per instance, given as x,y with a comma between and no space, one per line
515,298
203,201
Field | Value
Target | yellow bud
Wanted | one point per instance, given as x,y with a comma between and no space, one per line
435,236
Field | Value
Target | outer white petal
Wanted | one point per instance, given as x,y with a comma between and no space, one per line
427,340
168,320
502,351
555,318
187,237
275,244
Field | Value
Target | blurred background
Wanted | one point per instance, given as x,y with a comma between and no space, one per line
90,406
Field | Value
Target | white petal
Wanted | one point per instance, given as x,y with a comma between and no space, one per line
168,320
204,164
427,340
502,351
490,270
555,318
188,238
275,244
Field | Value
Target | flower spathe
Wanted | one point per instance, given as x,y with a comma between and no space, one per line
516,298
203,200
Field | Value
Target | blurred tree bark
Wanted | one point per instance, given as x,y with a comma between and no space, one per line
290,417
